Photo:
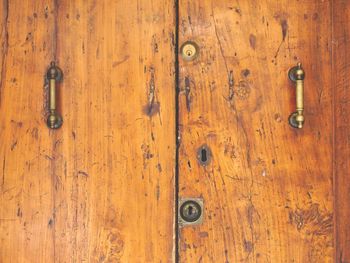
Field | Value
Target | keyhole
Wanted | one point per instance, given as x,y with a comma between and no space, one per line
189,50
204,155
190,210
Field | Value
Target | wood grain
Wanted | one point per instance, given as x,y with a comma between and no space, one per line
268,190
26,204
100,189
341,81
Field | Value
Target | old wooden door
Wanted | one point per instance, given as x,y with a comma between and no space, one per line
271,193
148,126
100,188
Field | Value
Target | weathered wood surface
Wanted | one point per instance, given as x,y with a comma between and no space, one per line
100,189
267,192
341,83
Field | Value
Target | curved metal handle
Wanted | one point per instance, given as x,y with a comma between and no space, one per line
53,76
297,75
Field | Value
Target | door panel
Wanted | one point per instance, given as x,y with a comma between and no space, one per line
268,189
26,206
341,83
101,188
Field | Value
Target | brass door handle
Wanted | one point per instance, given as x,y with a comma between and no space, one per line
53,76
297,75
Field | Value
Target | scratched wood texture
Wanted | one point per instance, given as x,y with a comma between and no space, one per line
100,189
341,83
267,191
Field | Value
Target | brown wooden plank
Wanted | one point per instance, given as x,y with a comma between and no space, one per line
100,189
341,81
268,190
26,188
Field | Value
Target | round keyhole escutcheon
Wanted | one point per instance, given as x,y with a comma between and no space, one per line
189,50
190,211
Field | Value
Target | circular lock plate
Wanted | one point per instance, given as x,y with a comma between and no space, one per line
190,211
189,50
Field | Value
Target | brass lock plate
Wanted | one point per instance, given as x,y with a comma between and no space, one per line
190,211
189,50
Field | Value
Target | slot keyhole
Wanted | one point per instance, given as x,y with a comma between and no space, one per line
204,158
190,210
204,155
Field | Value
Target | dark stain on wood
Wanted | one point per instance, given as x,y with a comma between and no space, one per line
19,212
282,20
284,26
35,133
151,109
146,154
85,174
155,44
231,85
252,41
153,106
13,146
245,73
248,246
50,223
188,93
159,167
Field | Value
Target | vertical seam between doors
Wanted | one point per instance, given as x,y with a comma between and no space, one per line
177,133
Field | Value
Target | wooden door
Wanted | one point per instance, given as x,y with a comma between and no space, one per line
271,192
100,188
107,185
